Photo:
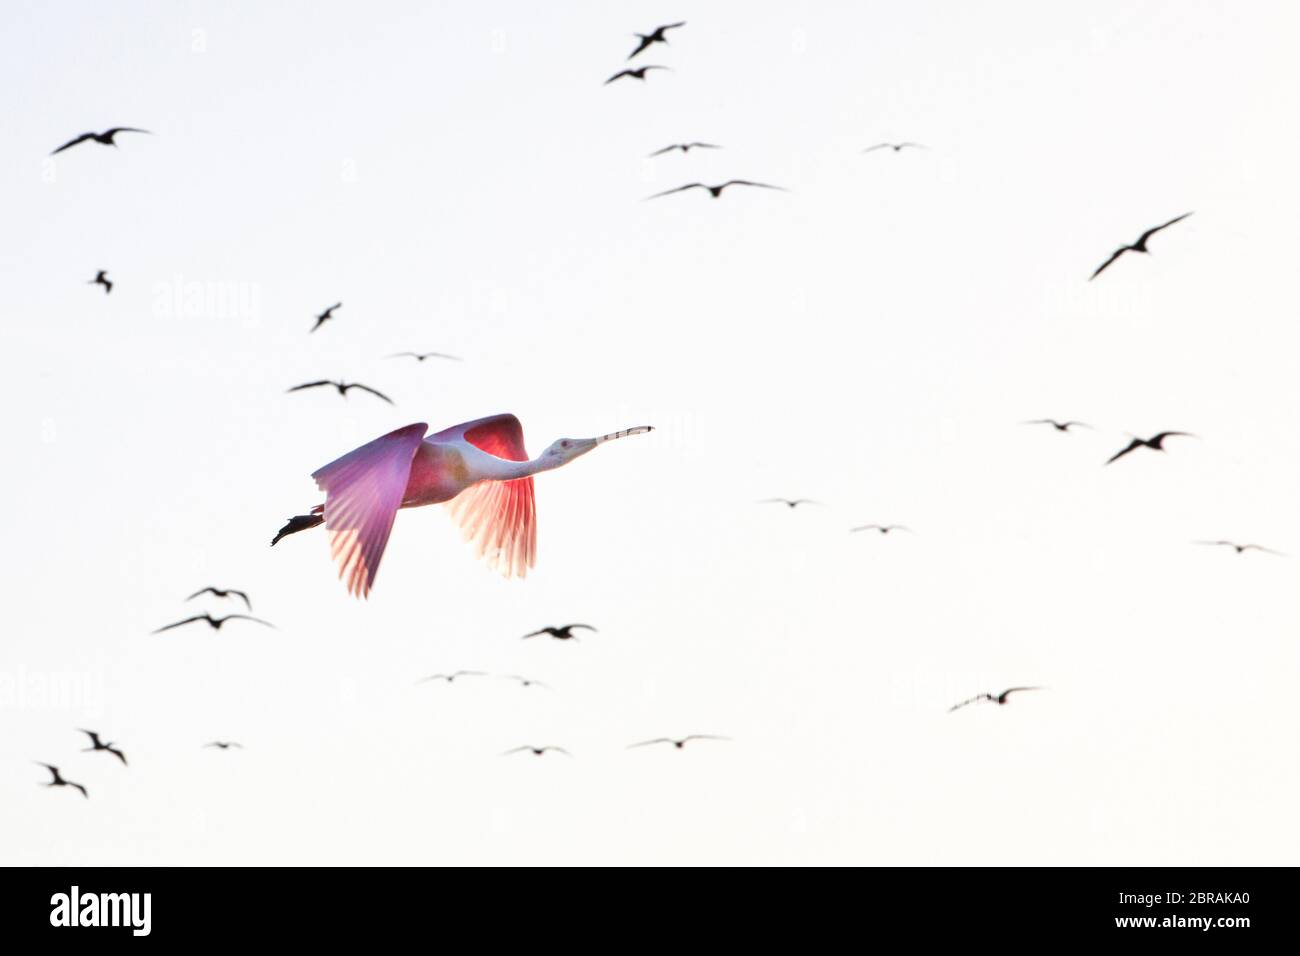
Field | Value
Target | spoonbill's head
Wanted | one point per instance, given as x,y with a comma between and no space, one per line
567,449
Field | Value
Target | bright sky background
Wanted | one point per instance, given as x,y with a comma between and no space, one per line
457,175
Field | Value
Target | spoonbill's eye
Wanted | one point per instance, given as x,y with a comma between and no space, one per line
564,444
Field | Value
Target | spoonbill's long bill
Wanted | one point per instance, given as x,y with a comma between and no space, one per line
480,468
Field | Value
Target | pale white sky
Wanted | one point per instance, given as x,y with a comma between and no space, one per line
457,175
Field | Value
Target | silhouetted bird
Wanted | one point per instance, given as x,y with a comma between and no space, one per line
896,147
326,315
101,278
223,593
637,74
564,633
684,147
343,388
678,742
655,36
1155,441
301,523
537,751
213,622
789,502
97,744
224,744
58,780
999,699
716,191
882,528
421,356
449,678
1059,426
1139,246
526,681
1241,547
105,137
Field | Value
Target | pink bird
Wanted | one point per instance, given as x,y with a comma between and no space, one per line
479,468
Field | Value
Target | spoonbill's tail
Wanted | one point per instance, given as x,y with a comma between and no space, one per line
301,523
637,430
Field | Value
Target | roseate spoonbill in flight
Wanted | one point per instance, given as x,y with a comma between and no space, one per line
105,137
343,388
97,744
1139,246
1241,547
223,593
537,751
564,633
480,468
213,622
1000,699
637,74
716,191
1059,426
101,278
684,147
1155,442
58,780
678,742
655,36
326,315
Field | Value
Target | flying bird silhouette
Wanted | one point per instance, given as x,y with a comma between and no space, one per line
450,678
537,751
1240,548
421,356
527,681
677,742
789,502
684,147
653,37
58,780
1155,442
326,315
224,744
564,633
105,137
101,278
480,468
213,622
637,74
97,744
1139,246
998,699
343,388
1059,426
716,191
896,147
223,593
882,528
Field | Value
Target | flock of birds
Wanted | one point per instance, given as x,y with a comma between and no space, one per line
482,471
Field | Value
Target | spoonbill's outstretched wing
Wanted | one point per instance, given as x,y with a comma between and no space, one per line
363,491
499,518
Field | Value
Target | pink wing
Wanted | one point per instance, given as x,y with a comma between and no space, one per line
363,491
499,518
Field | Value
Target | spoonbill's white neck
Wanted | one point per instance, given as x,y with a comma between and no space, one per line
560,453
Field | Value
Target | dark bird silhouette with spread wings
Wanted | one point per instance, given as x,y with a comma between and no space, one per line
58,780
1241,548
1139,246
1059,426
101,278
896,147
716,191
224,744
105,137
882,528
421,356
537,751
326,315
1000,699
213,622
637,74
223,593
1155,442
564,633
789,502
684,147
527,681
654,36
451,678
97,744
343,388
677,742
